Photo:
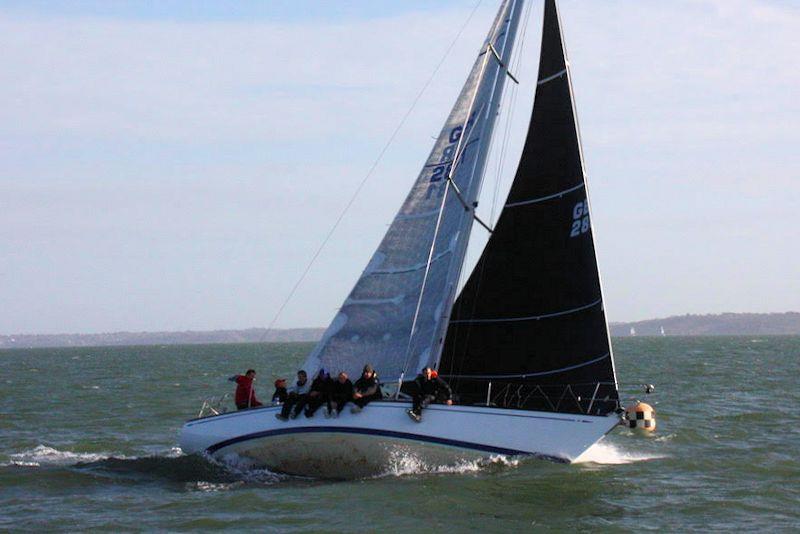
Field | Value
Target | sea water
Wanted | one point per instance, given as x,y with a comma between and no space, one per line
88,440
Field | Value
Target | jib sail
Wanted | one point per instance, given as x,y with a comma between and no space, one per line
530,318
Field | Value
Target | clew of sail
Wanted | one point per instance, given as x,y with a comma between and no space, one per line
530,318
395,316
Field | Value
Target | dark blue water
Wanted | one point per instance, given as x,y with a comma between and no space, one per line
88,440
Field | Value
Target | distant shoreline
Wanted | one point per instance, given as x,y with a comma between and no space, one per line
721,324
724,324
188,337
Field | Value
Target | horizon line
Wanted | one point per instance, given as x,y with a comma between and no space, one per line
295,328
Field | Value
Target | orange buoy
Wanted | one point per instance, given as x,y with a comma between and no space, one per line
641,416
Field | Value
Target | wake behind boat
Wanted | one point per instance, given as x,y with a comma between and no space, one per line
525,346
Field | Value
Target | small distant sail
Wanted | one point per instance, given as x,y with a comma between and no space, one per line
633,331
662,331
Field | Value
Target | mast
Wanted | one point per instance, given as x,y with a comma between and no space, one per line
530,318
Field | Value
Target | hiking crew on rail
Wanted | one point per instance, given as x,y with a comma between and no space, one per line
429,388
308,397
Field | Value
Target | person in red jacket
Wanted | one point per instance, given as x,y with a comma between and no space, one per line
245,391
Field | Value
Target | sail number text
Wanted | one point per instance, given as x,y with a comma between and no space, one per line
443,168
580,219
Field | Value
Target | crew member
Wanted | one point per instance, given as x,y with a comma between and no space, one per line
367,389
444,393
429,388
245,396
297,398
341,393
318,394
280,395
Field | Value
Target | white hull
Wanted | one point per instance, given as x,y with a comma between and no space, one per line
368,443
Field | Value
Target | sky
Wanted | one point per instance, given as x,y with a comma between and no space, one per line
175,165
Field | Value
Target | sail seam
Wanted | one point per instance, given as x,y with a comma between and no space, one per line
541,373
412,268
531,317
368,302
558,74
548,197
420,215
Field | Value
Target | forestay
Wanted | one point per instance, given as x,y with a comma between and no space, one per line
394,317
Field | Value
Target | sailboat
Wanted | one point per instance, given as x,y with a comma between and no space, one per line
525,345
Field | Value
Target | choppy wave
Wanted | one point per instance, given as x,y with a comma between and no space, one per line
204,486
404,463
202,473
42,455
609,454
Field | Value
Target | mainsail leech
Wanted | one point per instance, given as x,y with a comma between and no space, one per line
374,323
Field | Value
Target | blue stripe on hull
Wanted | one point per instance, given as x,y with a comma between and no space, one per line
376,432
476,410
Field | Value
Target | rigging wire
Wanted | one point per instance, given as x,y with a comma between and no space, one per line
509,118
369,173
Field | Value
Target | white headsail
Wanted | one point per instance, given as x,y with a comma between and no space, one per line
395,316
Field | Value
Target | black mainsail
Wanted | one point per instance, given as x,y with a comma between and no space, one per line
530,318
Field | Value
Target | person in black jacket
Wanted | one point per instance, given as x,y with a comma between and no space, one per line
318,394
280,395
367,389
429,388
341,394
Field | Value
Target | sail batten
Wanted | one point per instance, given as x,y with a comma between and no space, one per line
541,373
539,257
529,317
395,315
552,77
546,197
